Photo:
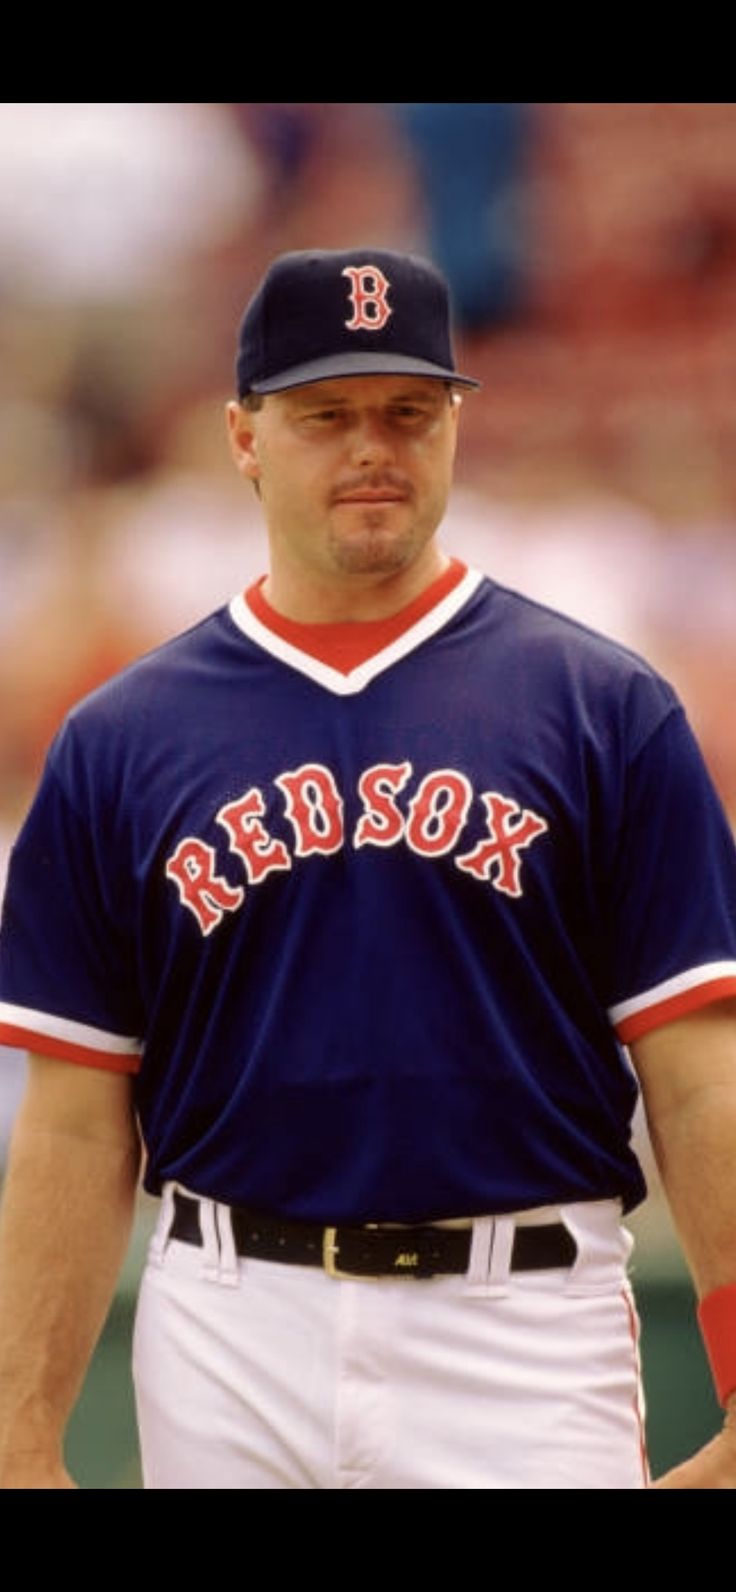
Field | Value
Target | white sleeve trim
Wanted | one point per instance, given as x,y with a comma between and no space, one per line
51,1027
709,973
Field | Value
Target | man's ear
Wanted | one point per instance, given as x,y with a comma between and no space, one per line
243,444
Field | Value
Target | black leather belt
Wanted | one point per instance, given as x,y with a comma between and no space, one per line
417,1251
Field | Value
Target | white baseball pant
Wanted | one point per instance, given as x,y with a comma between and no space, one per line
251,1374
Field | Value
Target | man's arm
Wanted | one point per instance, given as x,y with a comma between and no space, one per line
687,1071
65,1223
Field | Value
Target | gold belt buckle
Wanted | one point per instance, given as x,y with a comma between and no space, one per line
331,1248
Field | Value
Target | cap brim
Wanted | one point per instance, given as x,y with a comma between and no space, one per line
358,364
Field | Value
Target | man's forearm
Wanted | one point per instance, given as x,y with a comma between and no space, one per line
64,1227
688,1074
689,1077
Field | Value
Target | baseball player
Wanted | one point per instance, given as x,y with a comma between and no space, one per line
366,905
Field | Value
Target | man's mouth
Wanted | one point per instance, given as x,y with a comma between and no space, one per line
366,494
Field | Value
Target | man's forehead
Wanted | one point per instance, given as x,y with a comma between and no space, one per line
364,389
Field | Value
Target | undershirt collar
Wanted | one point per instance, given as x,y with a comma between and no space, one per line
348,643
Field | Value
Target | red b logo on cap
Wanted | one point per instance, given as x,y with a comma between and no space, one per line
368,298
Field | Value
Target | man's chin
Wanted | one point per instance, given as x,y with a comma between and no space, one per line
375,555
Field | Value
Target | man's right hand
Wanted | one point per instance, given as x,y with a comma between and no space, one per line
32,1474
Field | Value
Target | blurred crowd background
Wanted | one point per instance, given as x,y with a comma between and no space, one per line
591,250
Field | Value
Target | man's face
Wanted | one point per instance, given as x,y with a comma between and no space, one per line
353,473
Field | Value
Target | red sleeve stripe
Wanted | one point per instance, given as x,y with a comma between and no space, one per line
52,1035
63,1050
657,1009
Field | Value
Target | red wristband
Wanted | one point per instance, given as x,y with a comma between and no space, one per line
717,1319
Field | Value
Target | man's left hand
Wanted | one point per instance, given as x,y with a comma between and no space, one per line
712,1467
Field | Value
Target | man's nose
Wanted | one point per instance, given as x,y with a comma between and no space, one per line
370,441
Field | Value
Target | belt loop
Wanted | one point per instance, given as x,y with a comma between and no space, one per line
501,1253
490,1257
604,1245
210,1268
479,1264
228,1272
160,1238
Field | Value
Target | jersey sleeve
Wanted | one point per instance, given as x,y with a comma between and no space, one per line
67,986
672,919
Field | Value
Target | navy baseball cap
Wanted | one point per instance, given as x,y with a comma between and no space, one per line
354,312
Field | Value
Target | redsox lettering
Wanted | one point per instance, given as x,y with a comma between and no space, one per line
317,855
314,808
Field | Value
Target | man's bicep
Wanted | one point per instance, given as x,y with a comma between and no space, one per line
87,1102
678,1060
687,1071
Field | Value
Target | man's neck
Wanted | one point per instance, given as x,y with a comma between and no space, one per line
311,599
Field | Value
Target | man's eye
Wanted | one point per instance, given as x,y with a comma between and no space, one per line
411,412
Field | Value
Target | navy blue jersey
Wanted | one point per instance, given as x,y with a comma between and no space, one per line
373,942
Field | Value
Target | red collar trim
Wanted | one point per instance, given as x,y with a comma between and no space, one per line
347,644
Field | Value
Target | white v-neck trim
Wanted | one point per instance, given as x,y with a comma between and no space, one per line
348,684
